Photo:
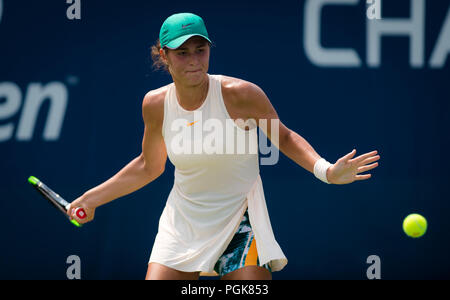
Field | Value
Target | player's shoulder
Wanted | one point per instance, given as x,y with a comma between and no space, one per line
237,85
240,90
155,98
153,104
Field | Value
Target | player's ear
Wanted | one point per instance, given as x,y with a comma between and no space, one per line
163,54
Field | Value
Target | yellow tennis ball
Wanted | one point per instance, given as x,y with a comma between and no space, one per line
415,225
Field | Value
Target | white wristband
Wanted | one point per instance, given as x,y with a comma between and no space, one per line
320,169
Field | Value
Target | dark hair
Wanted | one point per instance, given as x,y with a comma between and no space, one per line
158,62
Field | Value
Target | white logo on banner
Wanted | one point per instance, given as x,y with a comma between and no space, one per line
374,270
374,9
74,11
36,95
74,270
412,27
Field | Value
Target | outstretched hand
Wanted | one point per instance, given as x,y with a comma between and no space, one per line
347,168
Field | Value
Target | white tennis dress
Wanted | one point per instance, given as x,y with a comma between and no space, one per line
211,192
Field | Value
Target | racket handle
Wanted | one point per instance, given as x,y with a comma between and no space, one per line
79,212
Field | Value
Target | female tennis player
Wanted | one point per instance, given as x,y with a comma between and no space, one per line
215,221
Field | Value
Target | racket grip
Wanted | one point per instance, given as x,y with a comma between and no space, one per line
79,212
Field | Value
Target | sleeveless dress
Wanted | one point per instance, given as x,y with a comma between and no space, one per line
213,187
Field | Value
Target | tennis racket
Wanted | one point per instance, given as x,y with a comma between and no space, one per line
56,200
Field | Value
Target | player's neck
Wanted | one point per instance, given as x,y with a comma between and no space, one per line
191,97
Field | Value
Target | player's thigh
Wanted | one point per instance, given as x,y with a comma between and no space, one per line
249,273
160,272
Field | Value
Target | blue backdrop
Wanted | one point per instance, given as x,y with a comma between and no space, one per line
70,114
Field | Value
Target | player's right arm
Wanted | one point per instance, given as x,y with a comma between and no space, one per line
142,170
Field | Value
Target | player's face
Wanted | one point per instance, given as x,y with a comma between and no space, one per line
190,62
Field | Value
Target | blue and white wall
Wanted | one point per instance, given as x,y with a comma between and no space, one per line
70,114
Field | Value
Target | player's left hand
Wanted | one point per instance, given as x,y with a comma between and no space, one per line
347,168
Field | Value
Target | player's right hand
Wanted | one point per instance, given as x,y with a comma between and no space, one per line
81,202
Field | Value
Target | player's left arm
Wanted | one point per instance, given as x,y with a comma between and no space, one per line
294,146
